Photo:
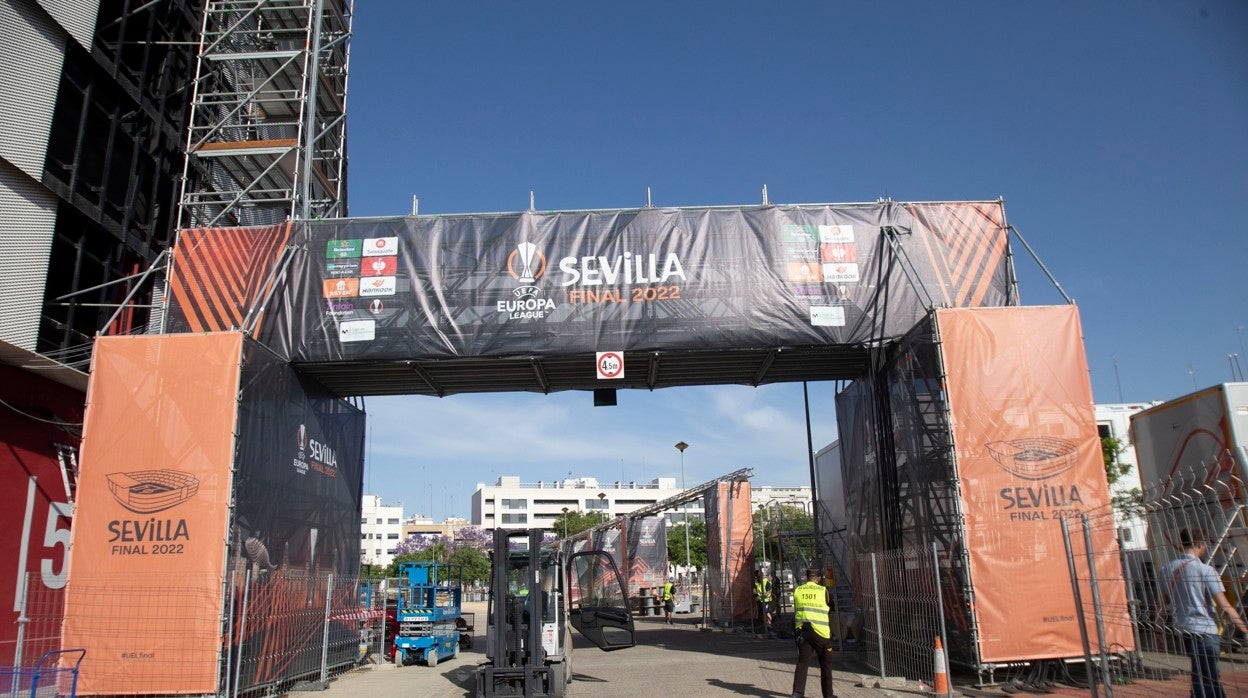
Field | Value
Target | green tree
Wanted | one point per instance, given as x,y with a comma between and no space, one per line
576,521
1126,502
466,550
697,543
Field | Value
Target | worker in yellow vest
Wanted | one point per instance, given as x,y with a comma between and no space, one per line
812,602
762,598
669,598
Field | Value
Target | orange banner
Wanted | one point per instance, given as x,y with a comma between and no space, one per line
149,539
1027,454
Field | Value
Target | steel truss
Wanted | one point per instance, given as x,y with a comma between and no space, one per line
267,138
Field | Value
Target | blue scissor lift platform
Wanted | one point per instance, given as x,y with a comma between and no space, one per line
427,613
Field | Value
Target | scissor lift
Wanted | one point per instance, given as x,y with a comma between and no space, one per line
427,613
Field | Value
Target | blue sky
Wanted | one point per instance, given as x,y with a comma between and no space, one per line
1117,134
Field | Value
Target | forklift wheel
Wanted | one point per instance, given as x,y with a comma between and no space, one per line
465,641
431,657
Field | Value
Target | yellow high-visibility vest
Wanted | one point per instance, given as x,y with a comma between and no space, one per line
810,600
667,591
762,591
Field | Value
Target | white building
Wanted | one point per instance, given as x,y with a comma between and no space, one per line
381,528
510,503
1115,420
771,495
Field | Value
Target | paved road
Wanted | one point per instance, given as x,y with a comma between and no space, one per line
678,660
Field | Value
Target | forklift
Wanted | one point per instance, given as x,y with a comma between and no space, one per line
536,598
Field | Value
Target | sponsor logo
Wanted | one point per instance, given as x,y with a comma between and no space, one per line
841,273
357,331
838,253
381,247
800,233
827,316
377,286
804,273
342,267
334,308
376,306
836,233
804,254
379,266
340,288
338,249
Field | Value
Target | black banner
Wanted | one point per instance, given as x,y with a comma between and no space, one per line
563,283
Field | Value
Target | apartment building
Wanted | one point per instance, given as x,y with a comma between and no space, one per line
381,528
510,503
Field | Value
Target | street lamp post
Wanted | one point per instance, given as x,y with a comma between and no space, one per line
565,523
681,446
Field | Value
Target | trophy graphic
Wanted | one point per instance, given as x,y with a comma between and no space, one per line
527,251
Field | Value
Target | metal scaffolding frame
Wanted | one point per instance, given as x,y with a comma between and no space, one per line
267,138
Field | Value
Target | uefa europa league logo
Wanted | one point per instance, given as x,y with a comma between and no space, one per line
531,262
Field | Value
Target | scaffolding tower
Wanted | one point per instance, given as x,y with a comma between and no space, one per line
267,137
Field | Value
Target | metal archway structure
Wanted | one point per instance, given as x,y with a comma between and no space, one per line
233,438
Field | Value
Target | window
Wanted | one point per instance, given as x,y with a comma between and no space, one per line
515,504
392,522
363,522
515,518
392,536
1126,534
596,503
1103,430
378,522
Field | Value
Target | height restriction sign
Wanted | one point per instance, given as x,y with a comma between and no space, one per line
610,365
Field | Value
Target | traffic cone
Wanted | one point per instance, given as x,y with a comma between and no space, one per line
940,679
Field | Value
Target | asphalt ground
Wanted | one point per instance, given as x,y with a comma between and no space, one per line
676,660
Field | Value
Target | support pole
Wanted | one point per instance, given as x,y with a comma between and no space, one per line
329,596
940,614
242,633
22,620
879,623
1083,625
1096,607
